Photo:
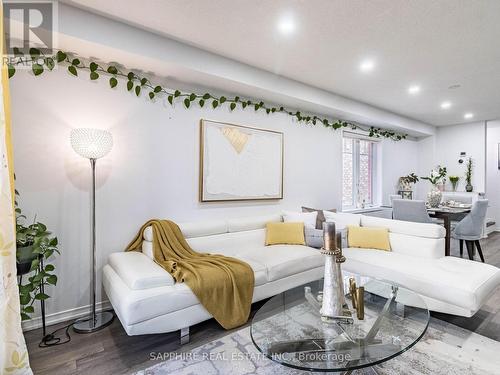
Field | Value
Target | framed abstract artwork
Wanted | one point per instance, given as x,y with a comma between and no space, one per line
239,163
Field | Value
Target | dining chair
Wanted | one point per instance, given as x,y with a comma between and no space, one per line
470,229
393,197
410,210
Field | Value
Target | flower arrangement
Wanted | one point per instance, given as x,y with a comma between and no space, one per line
454,182
437,175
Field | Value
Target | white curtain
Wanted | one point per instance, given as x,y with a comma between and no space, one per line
13,352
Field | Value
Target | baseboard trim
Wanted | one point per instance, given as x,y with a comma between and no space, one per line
63,316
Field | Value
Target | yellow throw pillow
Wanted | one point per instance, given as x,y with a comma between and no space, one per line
368,237
285,234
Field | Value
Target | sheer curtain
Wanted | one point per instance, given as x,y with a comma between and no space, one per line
13,352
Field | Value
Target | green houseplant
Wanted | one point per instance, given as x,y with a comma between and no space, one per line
454,182
468,175
35,245
405,182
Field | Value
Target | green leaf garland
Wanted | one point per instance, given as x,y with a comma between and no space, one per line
42,64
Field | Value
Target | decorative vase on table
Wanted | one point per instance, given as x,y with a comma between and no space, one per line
434,197
437,179
334,306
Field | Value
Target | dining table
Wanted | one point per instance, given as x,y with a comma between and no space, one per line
448,214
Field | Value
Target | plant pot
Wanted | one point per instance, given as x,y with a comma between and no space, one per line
434,197
24,257
469,188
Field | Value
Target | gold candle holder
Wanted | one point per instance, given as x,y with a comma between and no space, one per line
352,291
358,298
360,303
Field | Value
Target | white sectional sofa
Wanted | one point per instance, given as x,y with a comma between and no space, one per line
146,299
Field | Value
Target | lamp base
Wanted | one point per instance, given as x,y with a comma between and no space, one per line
86,325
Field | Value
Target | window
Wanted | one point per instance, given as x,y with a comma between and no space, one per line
359,164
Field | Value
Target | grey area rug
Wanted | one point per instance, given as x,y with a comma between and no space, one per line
444,349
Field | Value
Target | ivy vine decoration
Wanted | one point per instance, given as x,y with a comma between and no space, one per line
134,82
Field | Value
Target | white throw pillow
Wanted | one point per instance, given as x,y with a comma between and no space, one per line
308,218
342,220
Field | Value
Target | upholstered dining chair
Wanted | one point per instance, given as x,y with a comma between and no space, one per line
393,197
410,210
470,229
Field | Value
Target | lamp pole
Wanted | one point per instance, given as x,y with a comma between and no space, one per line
92,144
92,205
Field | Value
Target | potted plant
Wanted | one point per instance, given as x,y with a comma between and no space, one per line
454,182
468,175
405,182
437,176
35,245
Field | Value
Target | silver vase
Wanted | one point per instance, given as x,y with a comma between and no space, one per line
333,303
434,197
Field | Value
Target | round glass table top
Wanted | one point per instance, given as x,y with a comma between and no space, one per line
289,330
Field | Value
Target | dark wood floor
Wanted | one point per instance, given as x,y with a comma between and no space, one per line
111,351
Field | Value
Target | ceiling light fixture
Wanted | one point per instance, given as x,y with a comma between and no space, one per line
445,105
468,115
286,25
413,89
367,66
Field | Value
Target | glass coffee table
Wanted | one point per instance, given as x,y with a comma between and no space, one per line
289,330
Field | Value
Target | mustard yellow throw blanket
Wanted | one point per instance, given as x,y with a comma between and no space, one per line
223,285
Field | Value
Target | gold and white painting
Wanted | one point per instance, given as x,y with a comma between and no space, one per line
239,162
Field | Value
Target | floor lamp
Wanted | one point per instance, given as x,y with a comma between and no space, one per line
92,144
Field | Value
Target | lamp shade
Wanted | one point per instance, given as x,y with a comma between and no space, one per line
91,143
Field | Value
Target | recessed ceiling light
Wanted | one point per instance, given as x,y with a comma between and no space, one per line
286,25
445,105
367,66
468,115
413,89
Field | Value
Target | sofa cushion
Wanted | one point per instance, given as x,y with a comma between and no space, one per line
139,271
204,228
314,237
405,227
453,280
259,269
320,219
417,246
308,218
285,233
341,219
285,260
194,229
228,244
368,237
251,223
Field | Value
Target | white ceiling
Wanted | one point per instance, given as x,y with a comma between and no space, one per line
435,44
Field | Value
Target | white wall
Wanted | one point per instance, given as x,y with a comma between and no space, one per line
398,159
492,171
444,149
